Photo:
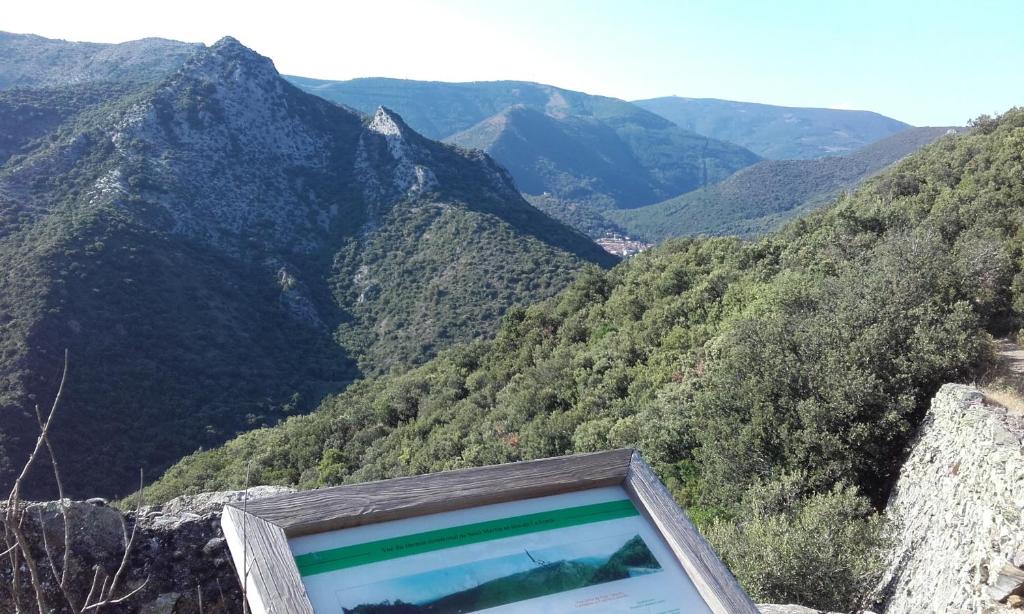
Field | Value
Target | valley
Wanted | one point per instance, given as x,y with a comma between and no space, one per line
773,383
572,154
234,282
656,168
762,197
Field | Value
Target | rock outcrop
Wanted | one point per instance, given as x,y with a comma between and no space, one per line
179,561
958,511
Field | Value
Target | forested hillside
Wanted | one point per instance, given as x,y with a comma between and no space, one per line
773,384
777,133
574,155
218,249
761,197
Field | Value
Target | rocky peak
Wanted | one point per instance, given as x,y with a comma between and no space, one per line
229,48
388,123
392,159
225,62
228,108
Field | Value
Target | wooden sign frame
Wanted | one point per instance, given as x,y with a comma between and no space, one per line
257,535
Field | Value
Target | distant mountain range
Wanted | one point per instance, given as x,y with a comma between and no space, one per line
605,166
218,249
777,133
759,198
32,61
573,154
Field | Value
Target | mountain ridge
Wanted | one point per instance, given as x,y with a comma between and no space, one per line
218,249
32,61
572,154
777,132
765,195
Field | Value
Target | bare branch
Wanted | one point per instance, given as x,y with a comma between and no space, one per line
46,543
131,541
63,509
16,489
120,599
14,555
30,562
104,588
92,589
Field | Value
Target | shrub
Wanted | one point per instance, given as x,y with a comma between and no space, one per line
824,551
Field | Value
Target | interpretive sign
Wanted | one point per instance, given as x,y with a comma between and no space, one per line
594,533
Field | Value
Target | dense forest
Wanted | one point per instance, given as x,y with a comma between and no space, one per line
772,383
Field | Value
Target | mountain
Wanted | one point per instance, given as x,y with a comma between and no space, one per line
218,249
28,114
776,380
436,109
572,154
763,196
777,133
32,61
546,579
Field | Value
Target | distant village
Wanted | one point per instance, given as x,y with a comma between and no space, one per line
622,245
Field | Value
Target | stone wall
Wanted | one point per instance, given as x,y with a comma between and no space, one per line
958,511
179,562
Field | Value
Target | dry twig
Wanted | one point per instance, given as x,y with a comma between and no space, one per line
104,589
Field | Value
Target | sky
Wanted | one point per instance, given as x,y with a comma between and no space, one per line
928,62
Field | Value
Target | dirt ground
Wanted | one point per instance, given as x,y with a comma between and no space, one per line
1005,385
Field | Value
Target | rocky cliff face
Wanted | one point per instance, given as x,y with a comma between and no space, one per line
957,514
958,511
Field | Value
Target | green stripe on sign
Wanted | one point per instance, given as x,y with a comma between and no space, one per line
451,537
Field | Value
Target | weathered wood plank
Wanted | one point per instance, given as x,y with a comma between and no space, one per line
341,507
273,585
712,578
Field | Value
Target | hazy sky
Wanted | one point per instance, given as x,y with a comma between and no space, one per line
928,62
